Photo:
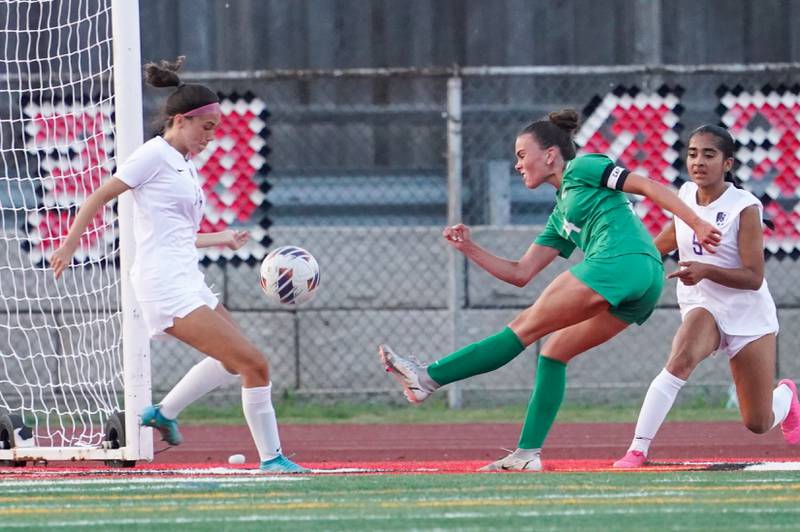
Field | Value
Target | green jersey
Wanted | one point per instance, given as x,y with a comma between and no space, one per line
594,214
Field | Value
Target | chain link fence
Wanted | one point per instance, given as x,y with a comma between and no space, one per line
362,166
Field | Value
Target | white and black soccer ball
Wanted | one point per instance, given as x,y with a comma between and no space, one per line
290,275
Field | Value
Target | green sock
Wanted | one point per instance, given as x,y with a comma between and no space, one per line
551,380
481,357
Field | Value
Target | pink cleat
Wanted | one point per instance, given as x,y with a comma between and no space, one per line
631,460
791,425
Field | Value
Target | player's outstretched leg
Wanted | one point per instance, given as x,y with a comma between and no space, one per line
790,426
410,373
520,460
168,428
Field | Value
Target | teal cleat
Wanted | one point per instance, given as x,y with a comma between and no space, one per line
280,464
168,428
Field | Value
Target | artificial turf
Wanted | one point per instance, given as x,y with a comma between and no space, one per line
585,501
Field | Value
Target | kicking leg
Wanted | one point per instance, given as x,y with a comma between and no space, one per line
566,301
204,377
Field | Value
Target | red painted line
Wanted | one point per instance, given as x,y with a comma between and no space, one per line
97,471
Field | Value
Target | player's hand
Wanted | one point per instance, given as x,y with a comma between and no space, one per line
707,235
61,258
690,272
457,236
235,239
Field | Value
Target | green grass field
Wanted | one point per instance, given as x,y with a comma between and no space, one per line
579,501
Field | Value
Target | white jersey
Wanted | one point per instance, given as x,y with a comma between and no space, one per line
737,312
168,207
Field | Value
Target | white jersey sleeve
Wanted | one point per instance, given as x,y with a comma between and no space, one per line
142,165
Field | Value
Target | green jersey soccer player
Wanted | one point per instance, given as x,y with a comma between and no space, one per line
618,282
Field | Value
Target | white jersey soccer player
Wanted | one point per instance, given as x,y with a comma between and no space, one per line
168,208
741,315
166,277
724,301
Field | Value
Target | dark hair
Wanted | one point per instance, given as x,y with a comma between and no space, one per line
724,143
556,130
184,98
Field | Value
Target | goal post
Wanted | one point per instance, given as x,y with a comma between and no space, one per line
129,136
74,352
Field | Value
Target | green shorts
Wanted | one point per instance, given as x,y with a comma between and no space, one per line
630,283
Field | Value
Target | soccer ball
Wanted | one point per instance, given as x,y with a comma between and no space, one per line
290,275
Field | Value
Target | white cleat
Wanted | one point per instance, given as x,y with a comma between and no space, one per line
515,462
406,371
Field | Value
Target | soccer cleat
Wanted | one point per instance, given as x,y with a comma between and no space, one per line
631,460
791,425
513,462
406,371
282,465
168,428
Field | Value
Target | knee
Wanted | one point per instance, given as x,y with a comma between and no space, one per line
529,326
251,364
681,364
757,425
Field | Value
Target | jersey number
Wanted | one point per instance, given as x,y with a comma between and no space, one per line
698,249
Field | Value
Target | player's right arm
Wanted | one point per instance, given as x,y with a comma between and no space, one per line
109,190
518,273
666,242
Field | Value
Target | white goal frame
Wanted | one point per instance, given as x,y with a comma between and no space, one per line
135,340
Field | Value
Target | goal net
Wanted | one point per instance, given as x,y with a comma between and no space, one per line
64,364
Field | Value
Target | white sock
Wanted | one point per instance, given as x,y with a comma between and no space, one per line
205,376
260,416
657,404
781,401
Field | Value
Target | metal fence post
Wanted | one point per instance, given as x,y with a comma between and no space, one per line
455,260
499,192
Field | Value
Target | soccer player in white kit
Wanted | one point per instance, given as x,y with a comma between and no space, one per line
166,278
724,301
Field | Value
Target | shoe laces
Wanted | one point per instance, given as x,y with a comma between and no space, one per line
415,360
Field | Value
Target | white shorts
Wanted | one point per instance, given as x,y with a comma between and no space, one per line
160,315
731,344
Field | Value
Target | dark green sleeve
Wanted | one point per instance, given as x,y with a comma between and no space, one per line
551,238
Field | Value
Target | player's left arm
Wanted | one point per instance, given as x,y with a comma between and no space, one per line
228,238
751,251
707,234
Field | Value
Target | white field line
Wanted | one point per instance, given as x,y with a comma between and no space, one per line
740,480
162,475
190,472
216,481
774,466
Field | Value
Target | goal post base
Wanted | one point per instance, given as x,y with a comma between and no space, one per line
17,445
69,454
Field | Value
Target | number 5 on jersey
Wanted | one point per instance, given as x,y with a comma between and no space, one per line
696,246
